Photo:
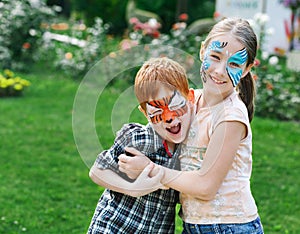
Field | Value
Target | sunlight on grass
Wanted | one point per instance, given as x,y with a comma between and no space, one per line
45,186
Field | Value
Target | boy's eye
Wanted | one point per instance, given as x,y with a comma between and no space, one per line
158,112
177,102
152,111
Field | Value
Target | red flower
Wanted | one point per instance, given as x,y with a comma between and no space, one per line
269,86
216,15
256,62
26,45
255,77
183,17
155,34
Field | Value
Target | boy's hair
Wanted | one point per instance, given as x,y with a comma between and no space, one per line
158,72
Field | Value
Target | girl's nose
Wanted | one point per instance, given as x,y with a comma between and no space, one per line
220,68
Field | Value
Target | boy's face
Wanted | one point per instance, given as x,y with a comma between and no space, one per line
170,115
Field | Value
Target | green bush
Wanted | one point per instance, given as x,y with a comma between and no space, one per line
278,90
21,31
110,11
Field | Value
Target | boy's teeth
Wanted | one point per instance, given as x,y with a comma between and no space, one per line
174,129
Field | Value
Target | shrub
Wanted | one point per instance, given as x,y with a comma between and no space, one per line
76,49
20,31
278,90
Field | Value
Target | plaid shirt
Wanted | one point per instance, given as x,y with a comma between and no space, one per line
152,213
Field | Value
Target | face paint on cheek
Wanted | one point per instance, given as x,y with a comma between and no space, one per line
214,46
235,73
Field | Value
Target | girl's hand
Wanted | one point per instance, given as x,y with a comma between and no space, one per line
145,184
133,165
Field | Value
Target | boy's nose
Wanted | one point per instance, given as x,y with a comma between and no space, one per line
168,116
169,121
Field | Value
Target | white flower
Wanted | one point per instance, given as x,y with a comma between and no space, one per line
261,18
270,31
152,23
273,60
32,32
265,55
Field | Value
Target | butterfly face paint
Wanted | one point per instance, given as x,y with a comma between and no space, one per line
234,62
167,109
214,46
233,66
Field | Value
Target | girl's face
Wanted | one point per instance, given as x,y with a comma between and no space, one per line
170,115
224,63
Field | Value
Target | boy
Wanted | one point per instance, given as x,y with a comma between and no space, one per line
161,88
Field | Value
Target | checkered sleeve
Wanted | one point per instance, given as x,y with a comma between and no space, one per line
129,135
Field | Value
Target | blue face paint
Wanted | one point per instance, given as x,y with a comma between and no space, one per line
235,73
233,63
214,46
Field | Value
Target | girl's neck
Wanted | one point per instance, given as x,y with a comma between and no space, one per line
211,99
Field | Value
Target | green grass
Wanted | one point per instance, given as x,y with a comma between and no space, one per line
44,182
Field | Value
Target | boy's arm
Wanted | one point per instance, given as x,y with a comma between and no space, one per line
141,186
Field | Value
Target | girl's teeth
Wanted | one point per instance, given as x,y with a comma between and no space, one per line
217,81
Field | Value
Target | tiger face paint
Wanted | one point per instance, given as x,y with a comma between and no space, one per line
170,114
167,109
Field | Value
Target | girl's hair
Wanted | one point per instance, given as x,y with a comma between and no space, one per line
156,73
243,32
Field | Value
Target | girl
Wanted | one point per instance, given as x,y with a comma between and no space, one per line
216,159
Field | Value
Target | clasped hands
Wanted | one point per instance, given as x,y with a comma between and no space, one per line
147,174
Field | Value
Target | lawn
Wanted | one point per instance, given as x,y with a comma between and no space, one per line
44,182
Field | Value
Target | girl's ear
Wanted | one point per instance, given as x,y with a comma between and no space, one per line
247,70
201,52
191,96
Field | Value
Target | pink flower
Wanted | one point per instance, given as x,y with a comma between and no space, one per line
134,20
127,44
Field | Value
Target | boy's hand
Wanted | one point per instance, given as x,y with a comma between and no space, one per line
133,165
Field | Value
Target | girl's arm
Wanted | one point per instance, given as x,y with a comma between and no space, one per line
141,186
218,160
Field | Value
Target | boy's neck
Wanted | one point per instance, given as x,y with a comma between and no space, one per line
169,147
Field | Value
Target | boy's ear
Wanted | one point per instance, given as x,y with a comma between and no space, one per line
191,96
143,111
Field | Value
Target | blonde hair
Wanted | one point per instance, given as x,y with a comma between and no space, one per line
243,32
158,72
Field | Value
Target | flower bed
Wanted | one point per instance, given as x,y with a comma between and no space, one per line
11,85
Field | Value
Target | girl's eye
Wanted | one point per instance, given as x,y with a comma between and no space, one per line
215,57
234,65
